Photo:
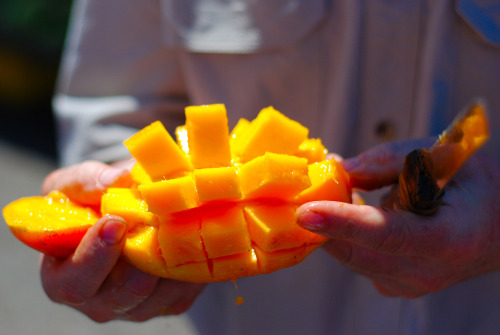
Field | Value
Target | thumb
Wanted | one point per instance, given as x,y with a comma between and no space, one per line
78,277
380,166
85,182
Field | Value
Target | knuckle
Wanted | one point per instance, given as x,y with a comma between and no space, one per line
70,296
100,317
396,240
350,229
340,250
430,283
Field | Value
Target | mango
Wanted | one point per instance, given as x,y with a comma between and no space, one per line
209,205
52,224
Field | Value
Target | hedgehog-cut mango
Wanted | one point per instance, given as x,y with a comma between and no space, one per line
208,205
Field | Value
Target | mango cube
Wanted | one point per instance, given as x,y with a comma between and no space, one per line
208,136
182,138
128,204
196,272
274,176
244,264
312,149
273,227
225,233
142,250
328,179
170,196
237,135
139,175
180,241
157,152
279,259
265,134
217,183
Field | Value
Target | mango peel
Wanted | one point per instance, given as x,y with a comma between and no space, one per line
209,205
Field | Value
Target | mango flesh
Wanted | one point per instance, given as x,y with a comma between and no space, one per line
214,205
52,224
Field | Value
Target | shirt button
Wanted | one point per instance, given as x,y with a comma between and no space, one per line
385,131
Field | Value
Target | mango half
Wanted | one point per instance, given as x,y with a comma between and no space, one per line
209,205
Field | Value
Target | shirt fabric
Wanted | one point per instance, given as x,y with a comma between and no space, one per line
355,72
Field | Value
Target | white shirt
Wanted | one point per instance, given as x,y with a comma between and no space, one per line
355,72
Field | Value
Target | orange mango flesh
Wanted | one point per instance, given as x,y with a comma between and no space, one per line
208,136
266,134
213,205
157,152
52,224
274,176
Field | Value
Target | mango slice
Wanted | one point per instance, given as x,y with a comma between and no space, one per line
274,176
52,224
211,205
157,152
266,134
208,136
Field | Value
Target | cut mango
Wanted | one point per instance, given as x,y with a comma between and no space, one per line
328,180
128,204
181,242
274,176
312,149
139,175
170,196
211,205
272,227
142,250
208,136
157,152
217,184
52,224
226,233
267,134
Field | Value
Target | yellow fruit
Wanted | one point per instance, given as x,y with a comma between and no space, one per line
215,205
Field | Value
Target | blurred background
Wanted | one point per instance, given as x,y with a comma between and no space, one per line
32,35
31,39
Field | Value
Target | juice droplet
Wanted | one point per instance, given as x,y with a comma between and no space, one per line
239,300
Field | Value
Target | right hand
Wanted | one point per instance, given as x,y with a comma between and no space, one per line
94,280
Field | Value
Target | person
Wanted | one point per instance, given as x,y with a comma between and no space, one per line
372,79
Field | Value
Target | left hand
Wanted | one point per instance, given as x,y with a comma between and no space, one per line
405,254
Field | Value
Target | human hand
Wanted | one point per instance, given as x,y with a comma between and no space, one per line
405,254
94,280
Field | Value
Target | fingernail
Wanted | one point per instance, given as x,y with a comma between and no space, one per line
109,176
113,231
311,221
350,163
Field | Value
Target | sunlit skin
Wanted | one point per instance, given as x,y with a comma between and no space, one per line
404,254
407,254
94,280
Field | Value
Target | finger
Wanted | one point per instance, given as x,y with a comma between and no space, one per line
86,182
170,297
391,275
389,232
395,288
126,287
395,275
76,279
366,261
335,156
381,165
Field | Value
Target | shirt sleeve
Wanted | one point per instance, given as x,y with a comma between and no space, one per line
116,76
